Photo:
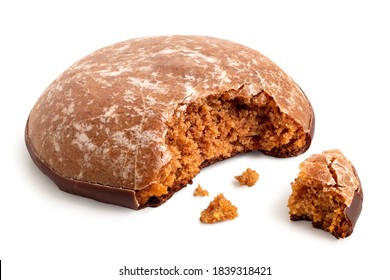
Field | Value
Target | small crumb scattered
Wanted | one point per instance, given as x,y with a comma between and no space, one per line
249,177
219,209
199,191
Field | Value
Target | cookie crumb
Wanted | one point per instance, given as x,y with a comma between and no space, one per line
249,177
219,209
199,191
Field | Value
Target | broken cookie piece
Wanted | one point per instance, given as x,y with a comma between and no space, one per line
199,191
220,209
249,177
327,192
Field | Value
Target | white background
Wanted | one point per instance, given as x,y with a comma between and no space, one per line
337,51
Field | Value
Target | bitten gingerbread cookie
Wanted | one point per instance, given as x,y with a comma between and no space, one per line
134,122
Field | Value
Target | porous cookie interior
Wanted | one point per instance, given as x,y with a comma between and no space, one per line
218,127
311,200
